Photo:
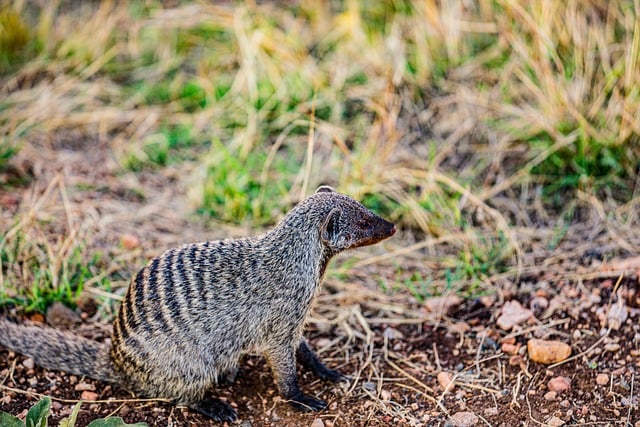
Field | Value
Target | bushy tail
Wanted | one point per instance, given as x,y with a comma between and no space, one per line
59,350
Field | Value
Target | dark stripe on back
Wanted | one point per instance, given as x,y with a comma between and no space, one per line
149,301
185,286
171,301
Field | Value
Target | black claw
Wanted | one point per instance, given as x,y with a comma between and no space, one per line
217,410
308,403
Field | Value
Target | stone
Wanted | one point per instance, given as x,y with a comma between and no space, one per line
60,316
555,422
28,363
548,351
509,348
442,305
445,379
512,313
602,379
129,241
463,419
612,347
559,384
89,396
459,328
84,387
392,334
317,423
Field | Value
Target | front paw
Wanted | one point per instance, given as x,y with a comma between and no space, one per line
217,410
306,403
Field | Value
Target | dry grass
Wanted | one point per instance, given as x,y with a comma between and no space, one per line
471,123
491,131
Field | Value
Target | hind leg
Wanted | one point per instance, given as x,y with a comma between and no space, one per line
310,360
192,391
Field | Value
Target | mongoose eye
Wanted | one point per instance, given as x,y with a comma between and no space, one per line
364,223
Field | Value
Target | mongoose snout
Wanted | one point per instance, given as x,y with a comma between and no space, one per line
192,312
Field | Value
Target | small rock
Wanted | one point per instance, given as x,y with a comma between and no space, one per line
442,305
547,352
89,395
370,386
129,241
85,387
612,347
512,313
385,395
62,317
317,423
550,396
459,328
509,348
559,384
508,340
490,412
392,334
538,304
602,379
28,363
445,379
33,381
618,314
463,419
554,422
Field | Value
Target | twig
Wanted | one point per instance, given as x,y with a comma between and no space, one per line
631,405
40,395
526,396
587,351
429,398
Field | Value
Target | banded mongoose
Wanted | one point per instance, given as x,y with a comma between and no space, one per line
189,315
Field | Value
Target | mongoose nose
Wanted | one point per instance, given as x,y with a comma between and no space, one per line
393,230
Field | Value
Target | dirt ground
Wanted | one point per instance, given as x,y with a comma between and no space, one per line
393,347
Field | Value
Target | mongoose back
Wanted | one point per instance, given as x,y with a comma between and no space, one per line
192,312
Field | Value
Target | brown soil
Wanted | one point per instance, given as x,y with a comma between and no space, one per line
392,346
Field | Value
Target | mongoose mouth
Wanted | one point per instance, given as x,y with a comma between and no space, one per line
384,230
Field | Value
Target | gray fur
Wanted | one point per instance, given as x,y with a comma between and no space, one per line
192,312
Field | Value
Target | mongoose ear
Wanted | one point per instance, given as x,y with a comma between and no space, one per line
325,189
330,226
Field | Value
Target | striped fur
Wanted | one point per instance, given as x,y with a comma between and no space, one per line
192,312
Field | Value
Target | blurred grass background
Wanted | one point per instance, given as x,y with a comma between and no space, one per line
468,122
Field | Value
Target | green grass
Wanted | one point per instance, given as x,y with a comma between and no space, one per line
44,277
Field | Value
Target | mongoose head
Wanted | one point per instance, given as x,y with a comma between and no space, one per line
348,223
